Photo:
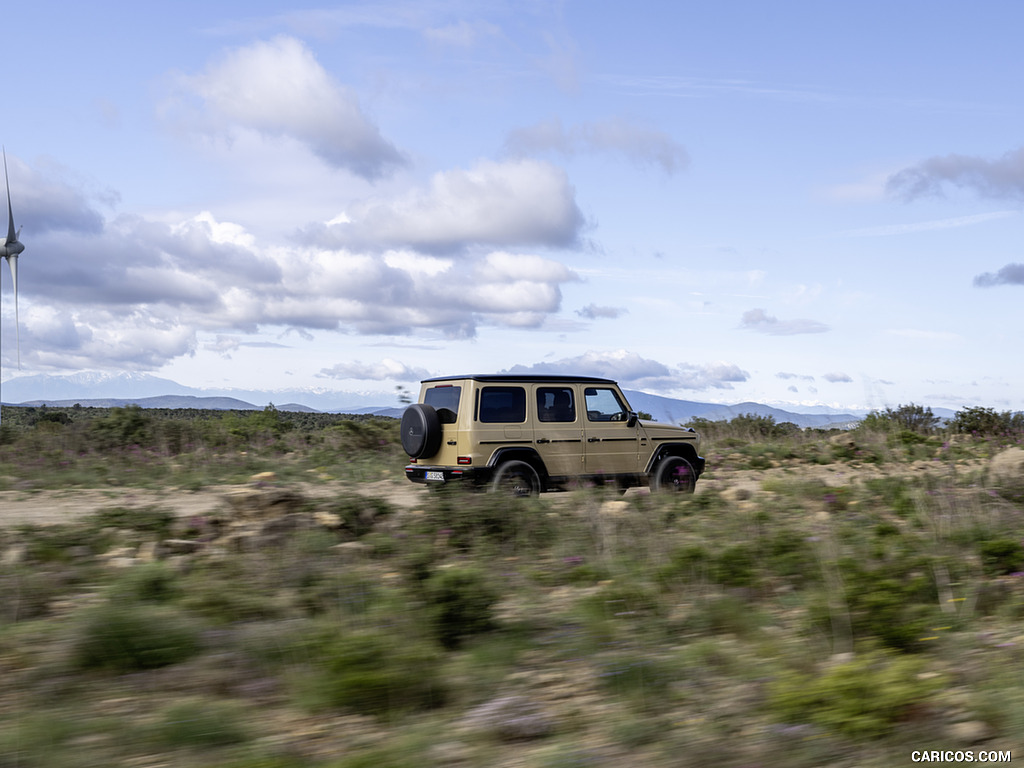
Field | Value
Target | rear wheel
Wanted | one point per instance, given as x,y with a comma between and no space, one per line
674,474
517,479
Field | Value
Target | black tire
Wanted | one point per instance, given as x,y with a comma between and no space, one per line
673,474
420,431
517,479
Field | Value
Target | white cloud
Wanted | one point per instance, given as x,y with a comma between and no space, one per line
43,200
514,203
1011,274
837,377
711,376
594,311
868,189
643,146
917,334
786,376
224,345
1002,178
136,294
928,226
278,89
621,365
761,321
383,370
463,34
630,369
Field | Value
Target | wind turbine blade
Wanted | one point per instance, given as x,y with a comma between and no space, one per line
12,235
13,262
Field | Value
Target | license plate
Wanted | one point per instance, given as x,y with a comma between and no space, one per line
434,475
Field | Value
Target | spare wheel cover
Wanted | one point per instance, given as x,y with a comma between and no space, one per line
421,430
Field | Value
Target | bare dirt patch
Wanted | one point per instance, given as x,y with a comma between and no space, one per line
64,506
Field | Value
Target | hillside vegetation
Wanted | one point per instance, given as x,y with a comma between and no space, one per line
825,598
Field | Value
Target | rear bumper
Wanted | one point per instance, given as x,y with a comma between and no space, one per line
428,475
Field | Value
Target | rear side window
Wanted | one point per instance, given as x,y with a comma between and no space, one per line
445,400
556,404
502,405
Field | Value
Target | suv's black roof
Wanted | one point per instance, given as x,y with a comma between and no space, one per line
521,377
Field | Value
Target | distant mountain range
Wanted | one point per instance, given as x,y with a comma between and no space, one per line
117,390
670,410
123,388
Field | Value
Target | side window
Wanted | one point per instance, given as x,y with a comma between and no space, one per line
445,399
503,405
604,405
556,404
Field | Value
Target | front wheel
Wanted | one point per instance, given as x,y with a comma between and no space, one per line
674,474
517,479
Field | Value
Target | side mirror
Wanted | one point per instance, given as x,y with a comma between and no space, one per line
632,419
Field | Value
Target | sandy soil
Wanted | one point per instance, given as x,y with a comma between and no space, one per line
51,507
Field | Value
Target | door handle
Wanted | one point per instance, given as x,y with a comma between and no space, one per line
593,439
542,440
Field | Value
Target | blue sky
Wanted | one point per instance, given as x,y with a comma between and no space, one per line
795,203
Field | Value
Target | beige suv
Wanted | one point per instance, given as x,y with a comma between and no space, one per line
527,434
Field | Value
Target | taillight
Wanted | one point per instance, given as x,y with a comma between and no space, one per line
464,460
412,461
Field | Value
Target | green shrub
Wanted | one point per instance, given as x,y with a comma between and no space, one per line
148,583
986,422
866,697
347,593
635,732
643,680
360,513
386,756
889,597
38,740
721,615
460,603
787,552
129,637
240,589
894,492
1001,556
376,672
911,418
153,520
201,723
735,566
122,428
584,574
26,593
687,564
466,520
63,542
460,520
623,599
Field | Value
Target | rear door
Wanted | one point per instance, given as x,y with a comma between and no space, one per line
499,418
446,400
